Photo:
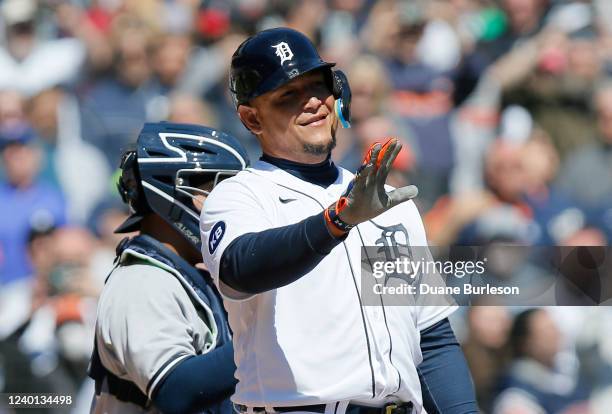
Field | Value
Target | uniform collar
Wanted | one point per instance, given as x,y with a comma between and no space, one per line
285,179
322,174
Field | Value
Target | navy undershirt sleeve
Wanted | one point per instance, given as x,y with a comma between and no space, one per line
446,381
198,382
258,262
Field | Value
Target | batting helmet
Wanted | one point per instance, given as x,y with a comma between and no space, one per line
168,168
273,57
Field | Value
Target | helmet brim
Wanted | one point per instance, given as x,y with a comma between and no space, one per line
131,224
281,76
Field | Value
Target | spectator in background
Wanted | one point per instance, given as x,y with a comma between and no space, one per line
11,108
20,371
340,31
24,199
497,212
587,174
422,97
67,19
556,215
42,114
19,298
485,349
524,19
115,107
217,94
306,17
558,90
188,109
592,339
78,168
521,200
370,115
29,64
532,384
169,58
50,349
215,58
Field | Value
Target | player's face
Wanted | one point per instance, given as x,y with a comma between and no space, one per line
205,183
198,202
193,187
297,121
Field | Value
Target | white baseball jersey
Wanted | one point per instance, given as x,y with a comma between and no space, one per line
312,342
146,325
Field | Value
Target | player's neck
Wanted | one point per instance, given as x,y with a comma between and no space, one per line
156,227
303,158
323,173
324,162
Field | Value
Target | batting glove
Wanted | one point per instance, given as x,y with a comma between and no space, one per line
366,197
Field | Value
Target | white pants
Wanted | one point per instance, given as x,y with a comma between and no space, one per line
330,408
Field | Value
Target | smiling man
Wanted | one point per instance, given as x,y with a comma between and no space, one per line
283,243
306,124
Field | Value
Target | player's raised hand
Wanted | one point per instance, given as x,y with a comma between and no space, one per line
366,197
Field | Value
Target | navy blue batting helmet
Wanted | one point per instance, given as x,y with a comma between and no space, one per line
171,164
272,58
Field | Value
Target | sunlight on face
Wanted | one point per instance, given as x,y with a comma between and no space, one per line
198,199
298,118
198,202
198,185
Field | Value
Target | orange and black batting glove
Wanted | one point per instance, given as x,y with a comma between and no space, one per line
332,214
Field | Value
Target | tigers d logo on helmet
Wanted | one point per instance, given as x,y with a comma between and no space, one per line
270,59
283,51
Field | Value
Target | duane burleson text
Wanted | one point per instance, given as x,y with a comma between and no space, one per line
425,289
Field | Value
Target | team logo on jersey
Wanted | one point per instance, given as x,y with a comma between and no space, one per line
394,243
216,234
283,51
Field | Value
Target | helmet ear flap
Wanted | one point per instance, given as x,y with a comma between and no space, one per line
342,92
336,83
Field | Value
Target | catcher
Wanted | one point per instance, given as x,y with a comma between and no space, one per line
162,339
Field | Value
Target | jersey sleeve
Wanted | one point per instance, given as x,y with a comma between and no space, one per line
231,210
145,325
426,315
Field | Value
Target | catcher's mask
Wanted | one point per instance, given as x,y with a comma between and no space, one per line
170,166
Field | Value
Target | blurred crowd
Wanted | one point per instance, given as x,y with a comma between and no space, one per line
504,108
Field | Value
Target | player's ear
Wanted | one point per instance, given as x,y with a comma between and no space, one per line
248,116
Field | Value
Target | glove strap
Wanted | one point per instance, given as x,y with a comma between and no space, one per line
332,215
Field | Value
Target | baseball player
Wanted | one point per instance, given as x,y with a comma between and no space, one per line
162,339
282,241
